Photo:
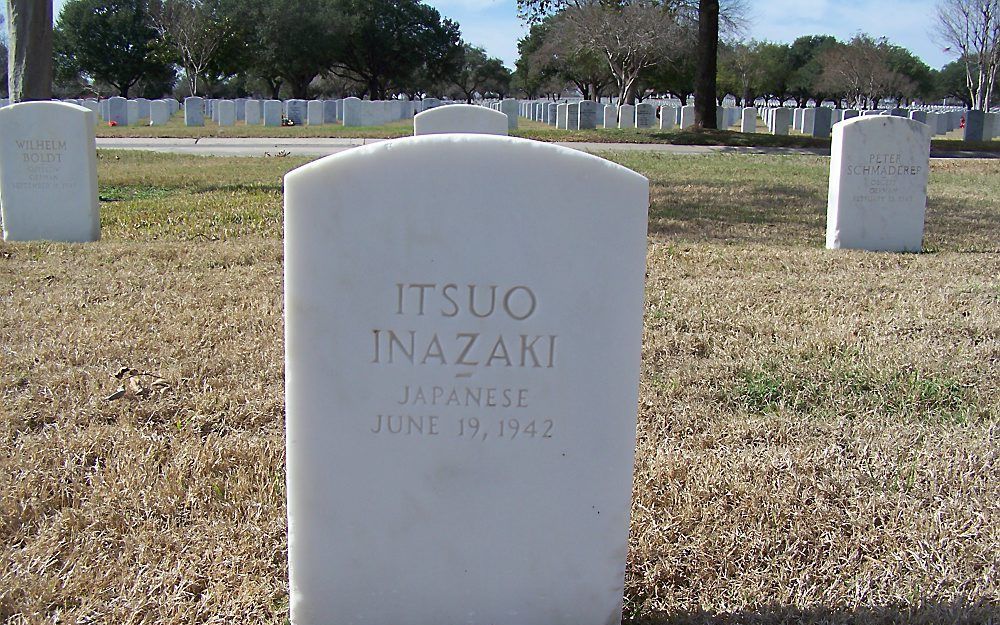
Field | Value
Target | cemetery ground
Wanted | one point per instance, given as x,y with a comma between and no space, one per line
527,129
817,430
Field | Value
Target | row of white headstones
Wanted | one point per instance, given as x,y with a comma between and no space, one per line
581,115
462,352
813,121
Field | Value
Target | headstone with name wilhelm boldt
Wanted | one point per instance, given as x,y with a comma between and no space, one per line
48,173
878,184
461,382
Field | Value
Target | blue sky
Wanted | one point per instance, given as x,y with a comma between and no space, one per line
493,24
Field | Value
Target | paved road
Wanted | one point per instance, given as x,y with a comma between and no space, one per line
325,146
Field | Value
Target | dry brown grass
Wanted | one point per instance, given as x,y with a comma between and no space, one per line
818,431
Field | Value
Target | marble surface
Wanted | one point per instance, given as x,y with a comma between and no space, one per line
462,360
48,173
878,184
460,118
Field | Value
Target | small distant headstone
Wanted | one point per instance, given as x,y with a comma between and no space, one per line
822,122
226,112
626,116
296,111
252,111
668,117
143,106
748,120
850,114
194,111
782,120
610,116
878,184
919,116
118,111
461,382
573,116
562,116
314,113
797,118
241,109
551,113
94,108
329,111
352,111
975,124
159,113
587,119
465,118
272,113
132,112
687,116
48,173
509,108
645,115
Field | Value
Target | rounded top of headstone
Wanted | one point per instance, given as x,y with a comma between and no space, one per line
47,107
486,153
463,118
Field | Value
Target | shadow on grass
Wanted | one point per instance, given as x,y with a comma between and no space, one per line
957,612
763,213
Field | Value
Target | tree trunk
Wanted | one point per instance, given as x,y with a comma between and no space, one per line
708,49
29,53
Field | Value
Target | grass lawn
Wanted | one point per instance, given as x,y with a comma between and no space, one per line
526,128
818,431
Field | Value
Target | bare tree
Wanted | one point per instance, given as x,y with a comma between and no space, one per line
29,53
629,37
195,29
971,30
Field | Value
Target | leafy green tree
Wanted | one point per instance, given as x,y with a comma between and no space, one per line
112,41
477,73
291,42
388,43
951,82
804,54
775,70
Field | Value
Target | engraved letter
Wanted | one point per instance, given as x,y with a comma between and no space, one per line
437,352
444,293
499,352
472,301
394,340
531,308
472,336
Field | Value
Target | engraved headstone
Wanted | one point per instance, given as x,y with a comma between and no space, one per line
878,184
461,382
573,116
587,117
296,111
645,115
975,123
252,112
48,173
460,118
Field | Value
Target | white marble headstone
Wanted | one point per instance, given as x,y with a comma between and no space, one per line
461,382
878,184
194,111
48,173
460,118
